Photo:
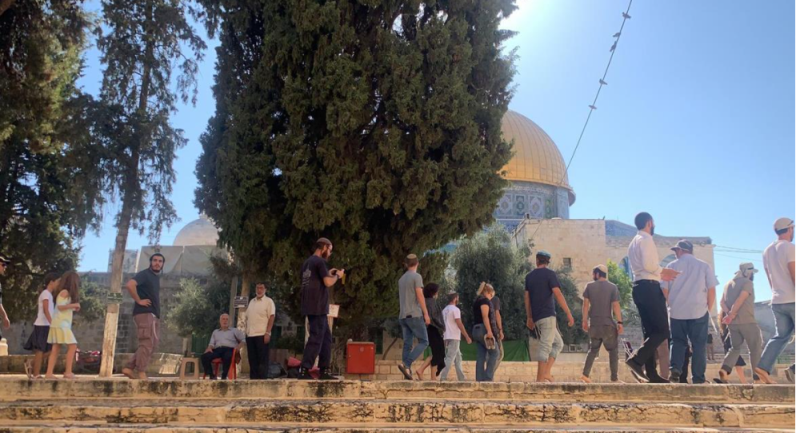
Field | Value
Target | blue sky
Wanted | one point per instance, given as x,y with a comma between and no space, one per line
696,125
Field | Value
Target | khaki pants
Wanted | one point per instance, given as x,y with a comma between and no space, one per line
148,327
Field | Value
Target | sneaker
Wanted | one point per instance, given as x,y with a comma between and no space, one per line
637,371
405,371
327,376
658,379
789,375
674,376
305,375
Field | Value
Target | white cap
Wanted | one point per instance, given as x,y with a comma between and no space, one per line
602,268
782,224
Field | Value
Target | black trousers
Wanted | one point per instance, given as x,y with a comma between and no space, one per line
437,345
651,306
319,344
258,352
225,353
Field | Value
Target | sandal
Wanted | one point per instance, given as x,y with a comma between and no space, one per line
69,376
28,369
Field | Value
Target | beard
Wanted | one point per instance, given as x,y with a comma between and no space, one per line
752,277
652,231
594,277
325,255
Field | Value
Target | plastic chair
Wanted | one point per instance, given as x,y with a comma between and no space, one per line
233,366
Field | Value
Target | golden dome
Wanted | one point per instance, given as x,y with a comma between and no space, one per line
536,158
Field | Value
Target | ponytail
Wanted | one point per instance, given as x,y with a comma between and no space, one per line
484,287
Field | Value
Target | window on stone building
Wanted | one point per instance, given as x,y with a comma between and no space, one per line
568,262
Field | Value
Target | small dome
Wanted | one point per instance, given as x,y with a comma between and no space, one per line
198,232
536,157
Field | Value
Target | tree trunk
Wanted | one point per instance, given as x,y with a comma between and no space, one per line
233,291
387,352
117,273
244,291
130,199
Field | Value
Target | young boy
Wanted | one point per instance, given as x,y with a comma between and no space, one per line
454,329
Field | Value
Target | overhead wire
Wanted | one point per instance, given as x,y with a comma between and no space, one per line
593,106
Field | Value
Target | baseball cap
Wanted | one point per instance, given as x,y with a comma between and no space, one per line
746,267
782,224
683,245
602,268
4,259
544,253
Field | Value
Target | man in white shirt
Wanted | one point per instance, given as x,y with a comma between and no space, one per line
454,329
649,298
260,317
778,260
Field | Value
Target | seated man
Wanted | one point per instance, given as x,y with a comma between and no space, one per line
222,343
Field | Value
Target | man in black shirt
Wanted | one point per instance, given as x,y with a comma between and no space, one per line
145,290
542,290
315,280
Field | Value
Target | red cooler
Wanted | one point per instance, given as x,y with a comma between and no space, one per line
361,358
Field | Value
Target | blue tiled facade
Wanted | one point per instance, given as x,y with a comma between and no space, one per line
531,199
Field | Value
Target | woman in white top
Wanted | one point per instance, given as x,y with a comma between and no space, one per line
41,327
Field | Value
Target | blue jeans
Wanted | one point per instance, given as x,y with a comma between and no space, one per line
484,356
783,321
413,327
453,358
695,330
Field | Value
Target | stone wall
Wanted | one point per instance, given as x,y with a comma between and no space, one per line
563,371
89,334
161,364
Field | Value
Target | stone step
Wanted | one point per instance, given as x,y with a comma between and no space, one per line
463,413
13,389
342,428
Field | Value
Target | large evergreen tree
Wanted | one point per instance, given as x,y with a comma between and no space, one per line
373,123
49,193
142,42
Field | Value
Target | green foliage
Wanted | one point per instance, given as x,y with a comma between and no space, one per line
622,280
47,199
39,42
141,42
490,256
575,334
293,343
375,124
197,307
92,302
